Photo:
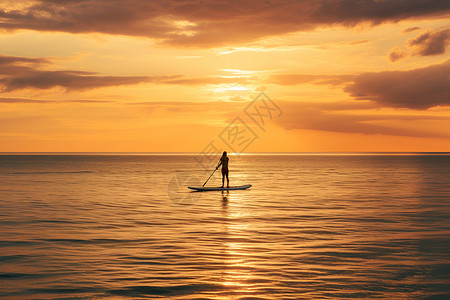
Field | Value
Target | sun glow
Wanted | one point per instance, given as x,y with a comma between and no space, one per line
223,88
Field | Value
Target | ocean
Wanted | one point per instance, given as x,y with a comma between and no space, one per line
312,226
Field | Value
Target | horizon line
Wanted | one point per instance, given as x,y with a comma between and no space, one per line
231,153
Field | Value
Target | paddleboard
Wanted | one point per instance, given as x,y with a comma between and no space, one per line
205,188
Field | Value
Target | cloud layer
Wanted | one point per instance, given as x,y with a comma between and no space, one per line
17,73
333,117
208,23
418,88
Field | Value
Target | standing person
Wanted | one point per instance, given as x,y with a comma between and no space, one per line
224,162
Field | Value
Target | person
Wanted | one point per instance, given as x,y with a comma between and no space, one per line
224,163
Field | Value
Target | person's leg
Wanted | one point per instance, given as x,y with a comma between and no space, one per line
228,181
223,178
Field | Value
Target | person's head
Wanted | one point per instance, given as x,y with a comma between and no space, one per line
224,153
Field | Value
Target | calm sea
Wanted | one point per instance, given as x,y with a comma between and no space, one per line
311,227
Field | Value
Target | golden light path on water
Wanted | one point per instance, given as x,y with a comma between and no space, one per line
238,270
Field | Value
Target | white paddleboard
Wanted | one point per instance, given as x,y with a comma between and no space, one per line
204,188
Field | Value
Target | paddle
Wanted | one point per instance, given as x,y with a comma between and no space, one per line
212,173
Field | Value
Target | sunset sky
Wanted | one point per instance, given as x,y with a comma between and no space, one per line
170,76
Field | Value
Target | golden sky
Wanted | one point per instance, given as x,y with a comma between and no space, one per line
173,76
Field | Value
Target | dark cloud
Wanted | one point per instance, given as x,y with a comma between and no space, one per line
12,60
330,117
69,80
420,88
19,65
396,54
18,73
210,22
411,29
430,42
427,43
417,89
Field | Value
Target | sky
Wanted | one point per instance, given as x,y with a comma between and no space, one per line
242,76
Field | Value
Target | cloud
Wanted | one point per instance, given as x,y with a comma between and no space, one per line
208,23
22,100
330,117
411,29
417,89
430,42
427,43
17,73
397,53
69,80
11,60
19,65
37,101
358,42
420,88
295,79
208,80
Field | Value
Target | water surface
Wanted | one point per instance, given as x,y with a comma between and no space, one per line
311,227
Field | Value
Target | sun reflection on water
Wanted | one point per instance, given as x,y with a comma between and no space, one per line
237,257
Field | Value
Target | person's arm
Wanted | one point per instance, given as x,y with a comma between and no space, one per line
220,163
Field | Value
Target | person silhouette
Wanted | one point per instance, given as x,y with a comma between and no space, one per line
224,163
